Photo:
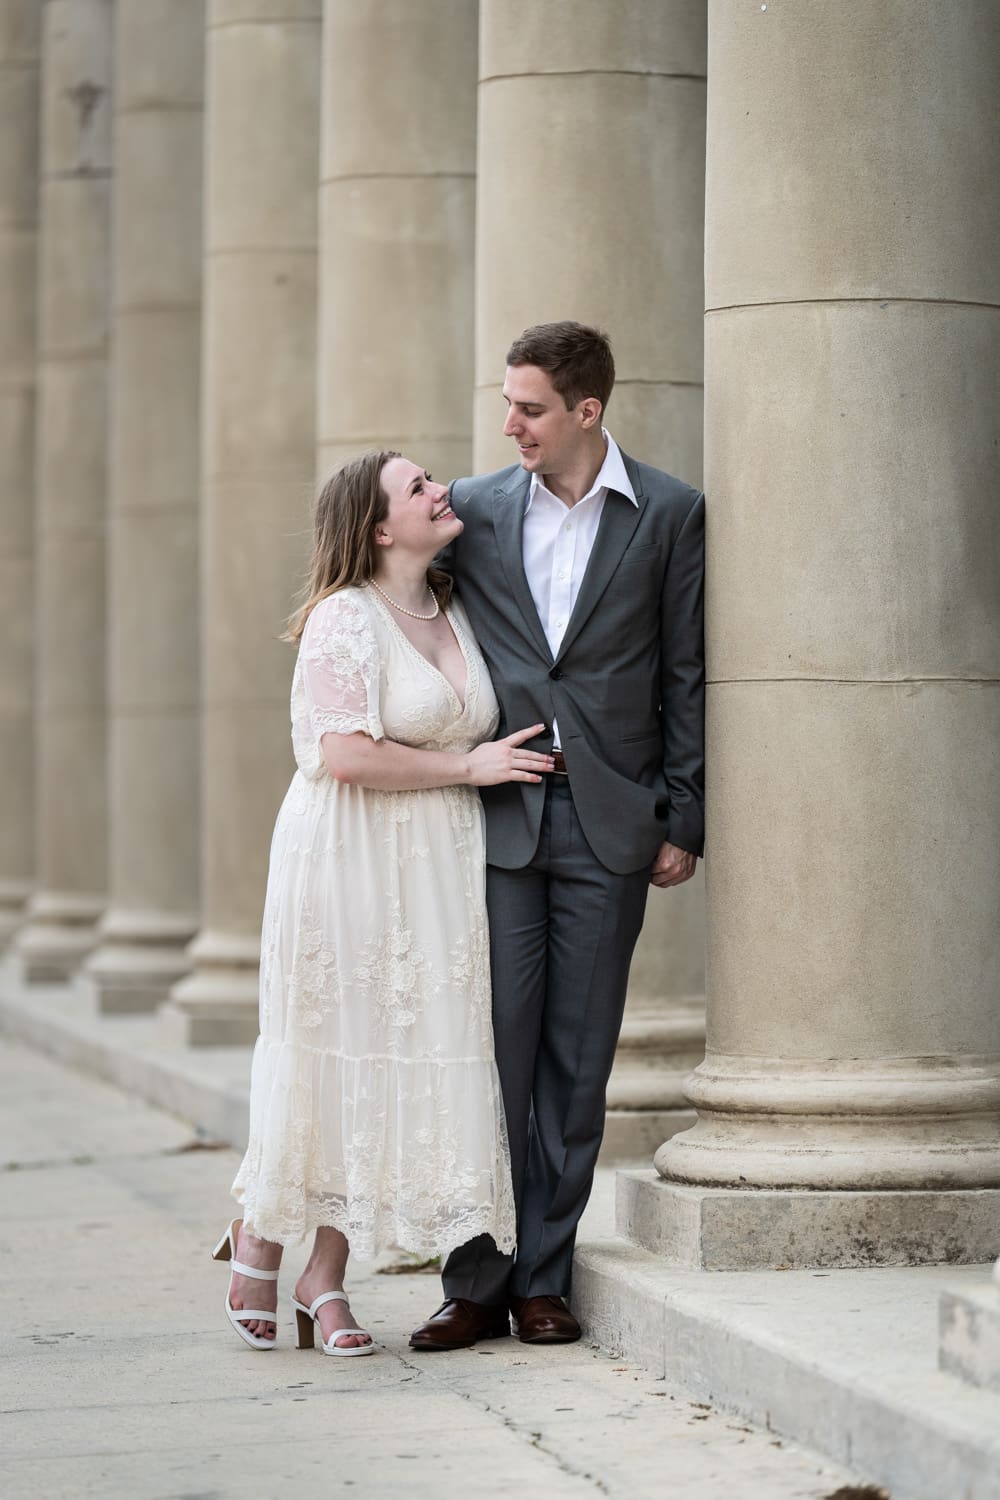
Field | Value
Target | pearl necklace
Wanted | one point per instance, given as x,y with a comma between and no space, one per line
411,612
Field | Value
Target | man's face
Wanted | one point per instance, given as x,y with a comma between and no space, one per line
549,438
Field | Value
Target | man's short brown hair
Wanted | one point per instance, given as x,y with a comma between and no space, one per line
577,359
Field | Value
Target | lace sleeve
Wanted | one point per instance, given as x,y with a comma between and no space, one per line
340,669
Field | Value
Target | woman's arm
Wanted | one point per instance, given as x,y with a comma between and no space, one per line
386,766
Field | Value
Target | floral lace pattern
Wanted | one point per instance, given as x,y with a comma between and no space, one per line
335,686
375,1101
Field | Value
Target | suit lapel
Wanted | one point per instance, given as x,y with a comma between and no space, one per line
618,522
508,522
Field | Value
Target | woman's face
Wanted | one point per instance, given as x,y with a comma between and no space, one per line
420,520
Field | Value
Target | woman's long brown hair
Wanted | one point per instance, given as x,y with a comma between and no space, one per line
351,504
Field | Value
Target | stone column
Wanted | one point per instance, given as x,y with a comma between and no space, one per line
663,1033
153,505
397,229
852,366
591,206
20,48
258,457
71,479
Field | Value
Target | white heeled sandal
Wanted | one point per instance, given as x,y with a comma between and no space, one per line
226,1250
306,1323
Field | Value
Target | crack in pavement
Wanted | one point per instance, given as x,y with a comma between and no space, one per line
90,1159
533,1439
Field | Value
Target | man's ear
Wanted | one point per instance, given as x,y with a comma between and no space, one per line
590,412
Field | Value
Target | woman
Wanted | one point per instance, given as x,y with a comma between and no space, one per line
375,1110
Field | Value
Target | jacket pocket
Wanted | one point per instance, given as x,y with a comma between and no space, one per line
646,552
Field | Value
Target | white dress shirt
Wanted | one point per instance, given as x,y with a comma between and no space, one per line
557,541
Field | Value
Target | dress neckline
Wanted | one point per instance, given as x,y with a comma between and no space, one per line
456,630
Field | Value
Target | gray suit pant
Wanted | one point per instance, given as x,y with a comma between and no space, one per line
562,933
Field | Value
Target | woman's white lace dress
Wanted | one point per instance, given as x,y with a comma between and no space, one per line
375,1102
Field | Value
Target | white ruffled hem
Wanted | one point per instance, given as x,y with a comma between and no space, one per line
389,1151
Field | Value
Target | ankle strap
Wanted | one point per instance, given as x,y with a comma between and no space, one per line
254,1271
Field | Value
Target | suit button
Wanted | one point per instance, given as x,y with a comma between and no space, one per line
556,673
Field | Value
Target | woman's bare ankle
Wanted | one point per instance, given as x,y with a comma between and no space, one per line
332,1315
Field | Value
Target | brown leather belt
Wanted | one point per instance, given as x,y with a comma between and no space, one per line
560,765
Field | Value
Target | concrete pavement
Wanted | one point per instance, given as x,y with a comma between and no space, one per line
122,1379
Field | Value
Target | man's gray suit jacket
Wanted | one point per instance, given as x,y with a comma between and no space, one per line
627,683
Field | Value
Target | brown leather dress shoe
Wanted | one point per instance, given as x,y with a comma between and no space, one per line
458,1324
544,1320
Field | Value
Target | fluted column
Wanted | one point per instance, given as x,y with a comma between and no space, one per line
71,481
20,53
590,205
153,505
397,229
258,457
852,365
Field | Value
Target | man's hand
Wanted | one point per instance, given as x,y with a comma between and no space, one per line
672,866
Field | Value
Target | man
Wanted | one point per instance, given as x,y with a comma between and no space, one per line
582,572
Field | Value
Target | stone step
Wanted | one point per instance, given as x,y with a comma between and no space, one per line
970,1333
842,1361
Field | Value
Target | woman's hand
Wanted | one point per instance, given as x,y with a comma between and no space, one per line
506,760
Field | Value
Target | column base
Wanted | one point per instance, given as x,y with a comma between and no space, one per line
660,1043
632,1135
840,1125
969,1326
222,1025
217,1004
140,956
14,896
137,981
658,1047
760,1229
58,933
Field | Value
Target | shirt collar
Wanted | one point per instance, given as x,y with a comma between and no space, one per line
612,475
